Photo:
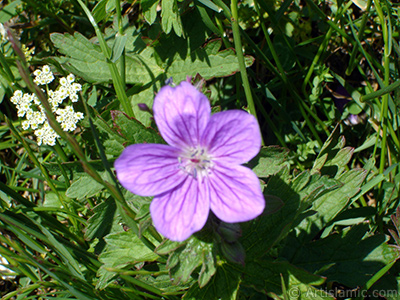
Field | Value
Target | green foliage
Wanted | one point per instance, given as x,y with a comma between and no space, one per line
322,74
123,249
339,259
86,61
185,258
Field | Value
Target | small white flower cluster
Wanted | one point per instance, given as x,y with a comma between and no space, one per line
28,105
68,118
43,76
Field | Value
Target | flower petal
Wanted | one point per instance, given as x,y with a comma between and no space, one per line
149,169
232,136
181,114
235,194
179,213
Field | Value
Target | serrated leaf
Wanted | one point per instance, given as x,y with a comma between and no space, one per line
184,260
84,59
208,65
113,147
163,282
167,246
349,257
84,187
170,17
330,204
265,276
224,285
329,150
103,127
133,131
269,161
208,269
149,8
125,131
340,160
123,249
213,46
296,195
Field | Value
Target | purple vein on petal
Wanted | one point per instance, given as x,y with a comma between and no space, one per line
149,169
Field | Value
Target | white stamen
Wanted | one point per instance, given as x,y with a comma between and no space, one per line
196,162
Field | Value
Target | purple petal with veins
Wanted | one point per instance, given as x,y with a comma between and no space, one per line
200,169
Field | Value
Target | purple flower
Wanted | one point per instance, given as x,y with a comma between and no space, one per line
200,169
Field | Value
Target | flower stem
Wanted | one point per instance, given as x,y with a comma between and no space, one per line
385,98
240,57
60,152
122,68
115,75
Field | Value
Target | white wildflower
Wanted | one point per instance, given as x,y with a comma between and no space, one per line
46,135
43,76
69,87
71,78
24,104
16,98
56,98
25,124
68,118
29,106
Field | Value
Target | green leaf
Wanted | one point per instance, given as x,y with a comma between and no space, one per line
123,249
209,62
224,285
102,219
133,131
211,5
113,147
149,8
145,96
360,3
51,200
167,246
163,282
349,257
269,161
84,59
333,158
99,11
297,195
125,131
187,257
118,47
265,276
331,203
84,187
72,167
104,127
170,17
9,11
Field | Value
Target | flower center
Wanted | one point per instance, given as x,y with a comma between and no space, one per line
196,162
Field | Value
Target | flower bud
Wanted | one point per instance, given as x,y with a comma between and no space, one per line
229,232
234,252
